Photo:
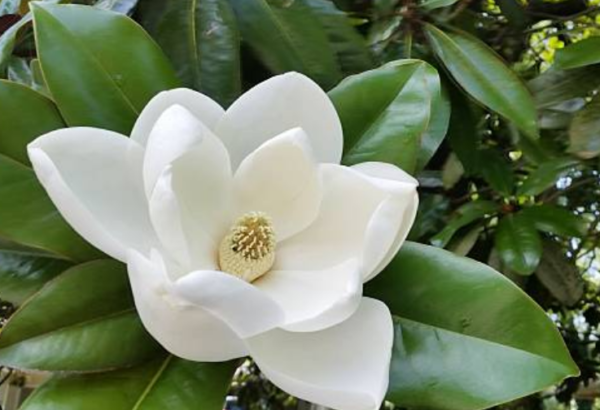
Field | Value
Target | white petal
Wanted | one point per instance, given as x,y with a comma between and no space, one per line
245,308
183,329
94,177
191,206
315,300
281,178
283,102
360,216
175,132
404,202
202,107
344,367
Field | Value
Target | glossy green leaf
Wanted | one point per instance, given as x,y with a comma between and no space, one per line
285,37
436,4
463,216
22,274
546,175
439,119
556,86
166,383
559,275
385,113
100,67
483,74
18,71
463,132
83,320
496,170
347,44
584,132
556,220
8,39
518,243
466,338
202,41
583,53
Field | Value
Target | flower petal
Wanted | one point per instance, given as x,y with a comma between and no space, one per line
344,367
404,202
175,132
283,102
202,107
281,178
360,216
183,329
94,178
315,300
244,307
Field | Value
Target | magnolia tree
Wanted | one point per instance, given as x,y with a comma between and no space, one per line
169,209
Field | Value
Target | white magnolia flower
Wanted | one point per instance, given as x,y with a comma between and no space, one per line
242,233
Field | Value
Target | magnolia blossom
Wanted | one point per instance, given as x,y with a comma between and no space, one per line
242,233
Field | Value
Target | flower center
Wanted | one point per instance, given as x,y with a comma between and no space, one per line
248,251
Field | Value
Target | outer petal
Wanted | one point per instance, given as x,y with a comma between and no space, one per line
281,178
388,176
201,106
94,178
283,102
315,300
359,217
244,307
183,329
344,367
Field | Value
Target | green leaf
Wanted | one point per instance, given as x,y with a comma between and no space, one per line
582,53
22,274
119,6
546,175
555,220
463,216
584,132
436,4
466,337
348,45
385,113
83,320
8,39
483,74
100,67
167,383
518,243
556,86
463,132
439,118
560,275
286,37
496,170
202,41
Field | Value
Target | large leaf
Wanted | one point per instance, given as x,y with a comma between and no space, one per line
556,86
559,275
463,216
582,53
27,216
286,36
466,337
546,176
385,113
201,39
83,320
584,132
23,274
518,243
483,74
556,220
100,67
166,383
